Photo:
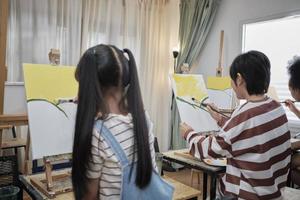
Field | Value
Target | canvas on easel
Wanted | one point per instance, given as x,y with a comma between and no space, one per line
51,120
51,123
188,88
220,92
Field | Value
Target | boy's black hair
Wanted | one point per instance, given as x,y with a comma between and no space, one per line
254,67
294,72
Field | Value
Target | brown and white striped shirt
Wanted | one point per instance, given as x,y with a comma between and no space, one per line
104,164
256,142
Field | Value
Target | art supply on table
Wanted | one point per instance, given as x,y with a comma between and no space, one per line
222,162
297,135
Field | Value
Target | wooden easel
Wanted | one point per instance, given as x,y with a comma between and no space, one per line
53,185
3,32
10,121
219,71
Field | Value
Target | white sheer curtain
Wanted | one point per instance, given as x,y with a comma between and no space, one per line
36,26
147,27
150,29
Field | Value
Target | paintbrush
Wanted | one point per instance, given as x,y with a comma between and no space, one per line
285,101
205,105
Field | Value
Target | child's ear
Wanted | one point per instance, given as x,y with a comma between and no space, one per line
239,80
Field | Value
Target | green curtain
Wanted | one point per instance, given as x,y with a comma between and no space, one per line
196,18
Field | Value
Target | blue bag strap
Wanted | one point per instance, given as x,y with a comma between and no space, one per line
112,142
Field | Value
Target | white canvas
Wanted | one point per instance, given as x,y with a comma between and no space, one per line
220,92
186,87
51,123
52,134
221,98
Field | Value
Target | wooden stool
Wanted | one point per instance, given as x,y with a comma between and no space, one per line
182,192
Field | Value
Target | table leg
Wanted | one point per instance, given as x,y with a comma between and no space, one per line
213,183
204,186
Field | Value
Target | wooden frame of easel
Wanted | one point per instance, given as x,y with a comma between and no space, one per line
3,37
18,120
219,71
53,185
9,120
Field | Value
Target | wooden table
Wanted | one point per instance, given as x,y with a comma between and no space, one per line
182,191
295,143
199,165
35,194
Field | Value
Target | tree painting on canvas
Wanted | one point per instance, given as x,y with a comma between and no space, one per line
191,96
51,116
220,92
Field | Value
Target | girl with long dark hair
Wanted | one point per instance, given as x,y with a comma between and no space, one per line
109,90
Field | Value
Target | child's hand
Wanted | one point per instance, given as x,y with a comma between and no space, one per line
184,129
290,104
211,109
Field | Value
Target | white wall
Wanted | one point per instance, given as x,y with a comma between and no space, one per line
230,15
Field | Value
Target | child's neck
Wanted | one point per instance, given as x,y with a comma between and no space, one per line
113,100
254,98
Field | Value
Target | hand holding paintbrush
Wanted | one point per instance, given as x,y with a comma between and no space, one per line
214,111
291,105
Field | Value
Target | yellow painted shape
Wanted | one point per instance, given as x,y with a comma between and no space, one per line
218,83
49,82
190,86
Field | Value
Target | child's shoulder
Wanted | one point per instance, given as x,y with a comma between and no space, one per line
259,106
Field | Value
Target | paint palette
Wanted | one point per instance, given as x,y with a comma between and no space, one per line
216,162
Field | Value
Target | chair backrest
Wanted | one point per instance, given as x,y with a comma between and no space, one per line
9,174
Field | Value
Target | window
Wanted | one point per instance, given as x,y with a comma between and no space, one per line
279,39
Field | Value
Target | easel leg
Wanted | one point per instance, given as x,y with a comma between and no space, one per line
1,151
27,164
13,129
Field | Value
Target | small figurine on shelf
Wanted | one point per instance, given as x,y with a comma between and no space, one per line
185,69
54,56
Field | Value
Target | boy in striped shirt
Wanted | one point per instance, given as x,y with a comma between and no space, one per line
255,139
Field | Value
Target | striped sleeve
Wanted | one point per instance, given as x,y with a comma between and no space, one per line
222,121
96,161
202,147
238,127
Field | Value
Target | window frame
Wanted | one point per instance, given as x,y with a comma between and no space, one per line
293,124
